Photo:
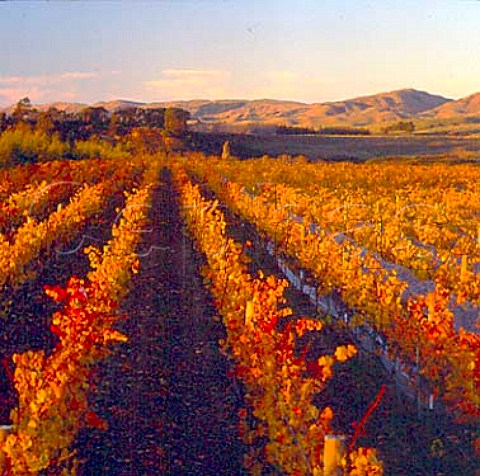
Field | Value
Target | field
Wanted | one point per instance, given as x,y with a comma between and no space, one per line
239,238
357,149
178,313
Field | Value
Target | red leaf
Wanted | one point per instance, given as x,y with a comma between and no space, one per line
94,421
57,331
57,293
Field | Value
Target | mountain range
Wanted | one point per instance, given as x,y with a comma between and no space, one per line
404,104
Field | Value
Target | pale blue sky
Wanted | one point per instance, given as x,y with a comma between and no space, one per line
303,50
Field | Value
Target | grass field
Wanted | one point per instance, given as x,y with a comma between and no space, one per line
342,147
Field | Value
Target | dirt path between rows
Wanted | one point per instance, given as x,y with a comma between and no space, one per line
165,393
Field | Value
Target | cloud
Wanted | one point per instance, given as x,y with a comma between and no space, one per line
78,75
220,84
285,84
45,88
183,74
190,83
280,76
11,79
9,96
37,94
23,80
47,79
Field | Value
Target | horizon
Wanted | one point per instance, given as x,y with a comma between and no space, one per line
308,52
99,101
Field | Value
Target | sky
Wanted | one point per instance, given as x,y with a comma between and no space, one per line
302,50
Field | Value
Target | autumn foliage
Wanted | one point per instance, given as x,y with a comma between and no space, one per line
53,388
414,314
281,424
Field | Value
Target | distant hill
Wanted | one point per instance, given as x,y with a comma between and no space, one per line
365,110
118,105
238,111
467,106
386,107
390,106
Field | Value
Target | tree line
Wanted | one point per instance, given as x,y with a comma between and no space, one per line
400,126
29,135
94,120
295,130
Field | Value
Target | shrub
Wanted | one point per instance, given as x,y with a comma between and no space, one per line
21,144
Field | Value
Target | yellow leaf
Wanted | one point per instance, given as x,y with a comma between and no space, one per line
344,352
41,395
113,336
32,424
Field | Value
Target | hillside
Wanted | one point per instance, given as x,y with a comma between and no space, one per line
363,110
379,109
238,111
118,104
467,106
390,106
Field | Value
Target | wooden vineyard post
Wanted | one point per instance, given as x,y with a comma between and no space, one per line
333,454
226,150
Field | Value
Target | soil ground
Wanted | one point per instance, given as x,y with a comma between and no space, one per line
165,393
341,148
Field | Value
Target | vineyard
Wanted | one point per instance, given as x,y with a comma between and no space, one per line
184,314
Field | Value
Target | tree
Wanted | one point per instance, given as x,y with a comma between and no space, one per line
176,121
3,121
124,120
94,118
46,120
114,128
154,117
23,111
145,140
400,126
